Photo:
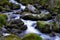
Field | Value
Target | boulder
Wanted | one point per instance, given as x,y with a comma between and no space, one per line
6,6
32,36
16,26
43,26
32,8
31,16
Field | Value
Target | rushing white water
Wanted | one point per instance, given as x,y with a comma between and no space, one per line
22,7
6,34
30,25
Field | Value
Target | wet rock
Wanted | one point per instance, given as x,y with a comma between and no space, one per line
16,26
52,34
32,37
43,26
32,8
31,16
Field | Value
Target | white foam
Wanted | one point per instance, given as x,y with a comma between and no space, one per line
30,28
6,34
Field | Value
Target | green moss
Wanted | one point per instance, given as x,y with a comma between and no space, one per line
3,19
32,37
5,16
42,23
12,37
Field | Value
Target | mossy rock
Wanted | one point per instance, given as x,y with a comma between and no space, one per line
2,4
12,37
31,16
16,25
32,37
6,6
43,26
45,16
56,27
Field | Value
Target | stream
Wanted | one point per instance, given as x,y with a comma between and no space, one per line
30,24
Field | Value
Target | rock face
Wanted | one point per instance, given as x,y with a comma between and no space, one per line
16,26
31,16
32,37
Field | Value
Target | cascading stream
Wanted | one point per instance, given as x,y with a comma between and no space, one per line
31,24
